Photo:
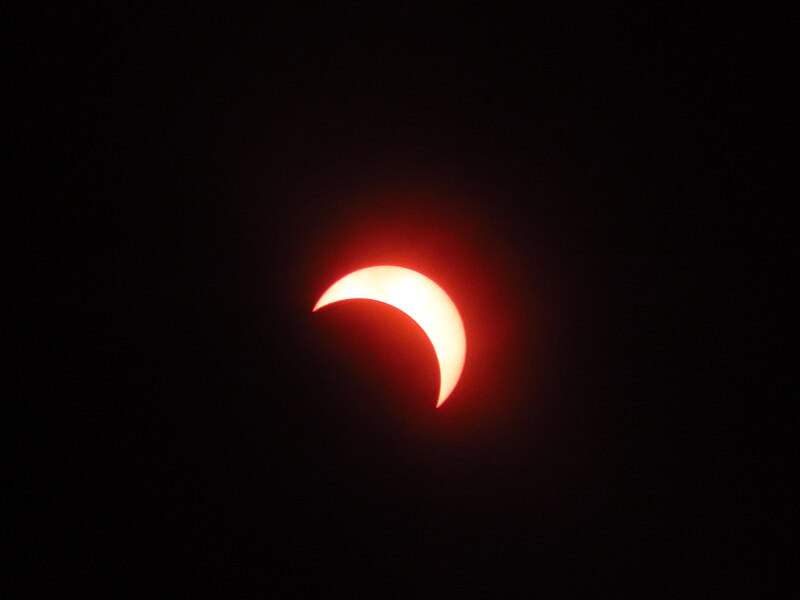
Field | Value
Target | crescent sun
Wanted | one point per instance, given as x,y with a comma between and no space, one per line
422,300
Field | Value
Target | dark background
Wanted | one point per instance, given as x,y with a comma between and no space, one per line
202,176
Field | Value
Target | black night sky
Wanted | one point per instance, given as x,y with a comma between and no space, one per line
203,176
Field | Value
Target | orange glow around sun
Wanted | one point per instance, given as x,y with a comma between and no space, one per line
422,300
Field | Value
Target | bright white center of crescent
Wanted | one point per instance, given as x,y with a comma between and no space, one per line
422,300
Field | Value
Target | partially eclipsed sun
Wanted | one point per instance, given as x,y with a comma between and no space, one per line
423,301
